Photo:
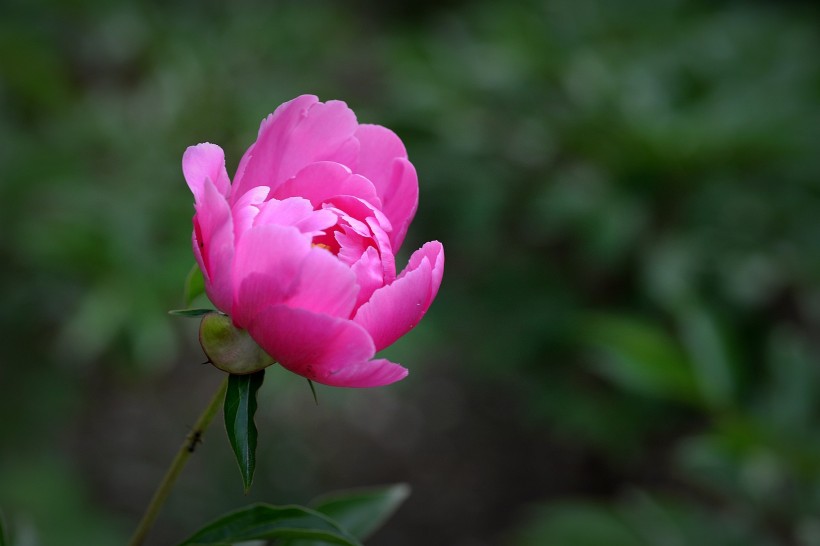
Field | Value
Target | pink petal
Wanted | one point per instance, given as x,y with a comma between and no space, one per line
205,161
246,209
401,200
385,250
299,132
325,285
395,309
214,244
267,264
359,209
354,211
323,180
433,251
378,147
374,373
368,223
297,212
351,245
240,169
310,344
383,161
369,274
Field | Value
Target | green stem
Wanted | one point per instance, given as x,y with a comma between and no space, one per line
185,450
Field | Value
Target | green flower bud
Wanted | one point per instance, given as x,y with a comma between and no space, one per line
229,348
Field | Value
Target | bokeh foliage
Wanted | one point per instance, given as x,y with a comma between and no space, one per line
628,193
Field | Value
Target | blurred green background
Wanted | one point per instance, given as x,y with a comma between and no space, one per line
626,347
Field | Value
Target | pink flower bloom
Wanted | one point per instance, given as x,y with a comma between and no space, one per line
300,249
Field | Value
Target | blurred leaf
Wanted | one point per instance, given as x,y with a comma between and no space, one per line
264,521
637,519
675,521
576,524
51,504
191,313
194,285
4,538
642,357
240,407
362,511
709,354
794,389
95,324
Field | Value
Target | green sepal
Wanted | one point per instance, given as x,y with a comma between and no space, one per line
229,348
190,313
240,407
194,285
268,522
313,391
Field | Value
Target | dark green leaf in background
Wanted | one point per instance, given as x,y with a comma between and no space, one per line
267,522
240,407
710,356
578,524
640,356
4,540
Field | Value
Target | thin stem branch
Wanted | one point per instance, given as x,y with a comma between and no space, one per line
185,451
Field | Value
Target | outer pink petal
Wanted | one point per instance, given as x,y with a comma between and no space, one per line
262,158
310,344
214,245
374,373
323,180
378,147
383,161
205,161
401,200
395,309
267,264
433,251
299,132
325,285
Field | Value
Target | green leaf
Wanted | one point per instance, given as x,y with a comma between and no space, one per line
267,522
240,407
194,285
363,511
191,313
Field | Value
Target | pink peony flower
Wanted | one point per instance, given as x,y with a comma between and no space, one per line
300,249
